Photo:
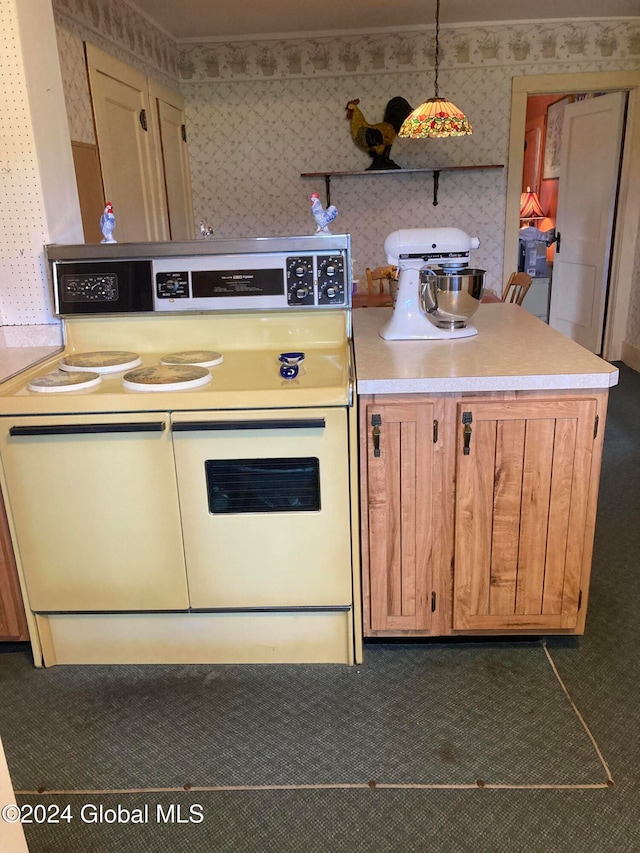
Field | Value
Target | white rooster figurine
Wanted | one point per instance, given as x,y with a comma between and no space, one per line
107,224
205,230
321,215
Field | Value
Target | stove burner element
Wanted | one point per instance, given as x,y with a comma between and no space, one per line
107,361
196,357
60,380
166,378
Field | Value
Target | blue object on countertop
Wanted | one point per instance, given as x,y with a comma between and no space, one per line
291,358
288,371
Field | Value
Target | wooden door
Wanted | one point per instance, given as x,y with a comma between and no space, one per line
587,192
176,174
402,533
86,161
521,513
127,134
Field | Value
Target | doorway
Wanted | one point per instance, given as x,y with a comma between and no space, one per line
624,248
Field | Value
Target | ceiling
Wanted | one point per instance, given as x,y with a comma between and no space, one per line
201,20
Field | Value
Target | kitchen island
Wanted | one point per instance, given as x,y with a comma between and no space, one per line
480,461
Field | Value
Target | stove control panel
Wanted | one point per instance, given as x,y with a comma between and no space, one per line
331,280
172,285
300,281
89,288
260,274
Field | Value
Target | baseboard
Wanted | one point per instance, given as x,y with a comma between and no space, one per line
631,355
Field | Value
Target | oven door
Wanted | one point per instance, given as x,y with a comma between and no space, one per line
264,498
95,510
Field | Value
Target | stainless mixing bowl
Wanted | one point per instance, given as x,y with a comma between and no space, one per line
449,298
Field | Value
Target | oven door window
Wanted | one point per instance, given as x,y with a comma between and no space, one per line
236,486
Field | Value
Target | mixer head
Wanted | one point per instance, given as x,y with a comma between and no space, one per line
413,248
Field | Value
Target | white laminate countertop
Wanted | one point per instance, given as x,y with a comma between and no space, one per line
15,359
513,351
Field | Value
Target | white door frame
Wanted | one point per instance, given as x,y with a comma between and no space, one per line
628,218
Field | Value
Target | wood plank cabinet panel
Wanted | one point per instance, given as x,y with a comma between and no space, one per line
400,516
497,540
521,513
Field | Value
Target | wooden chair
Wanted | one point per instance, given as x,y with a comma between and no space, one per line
516,288
378,293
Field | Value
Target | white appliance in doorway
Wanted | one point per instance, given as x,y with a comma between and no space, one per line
211,518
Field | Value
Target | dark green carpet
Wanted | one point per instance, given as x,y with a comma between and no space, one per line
481,697
421,714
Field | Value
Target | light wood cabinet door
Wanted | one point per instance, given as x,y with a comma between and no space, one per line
13,623
401,517
522,490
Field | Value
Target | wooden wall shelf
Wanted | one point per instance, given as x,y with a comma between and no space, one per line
435,170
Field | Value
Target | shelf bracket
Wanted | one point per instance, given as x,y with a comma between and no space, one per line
436,179
327,189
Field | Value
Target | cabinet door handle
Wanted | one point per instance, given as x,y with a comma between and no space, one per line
467,420
81,429
558,240
376,420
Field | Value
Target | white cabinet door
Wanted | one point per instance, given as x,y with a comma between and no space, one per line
169,107
94,504
127,134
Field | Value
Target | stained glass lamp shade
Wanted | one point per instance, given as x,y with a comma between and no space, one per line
436,118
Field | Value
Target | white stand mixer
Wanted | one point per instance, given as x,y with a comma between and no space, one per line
416,249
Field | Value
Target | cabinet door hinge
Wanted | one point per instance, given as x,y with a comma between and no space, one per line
183,131
376,421
579,599
595,426
433,602
435,432
143,119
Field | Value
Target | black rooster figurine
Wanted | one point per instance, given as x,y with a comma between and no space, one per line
377,139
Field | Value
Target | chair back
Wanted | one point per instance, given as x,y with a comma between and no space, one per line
381,283
516,288
379,279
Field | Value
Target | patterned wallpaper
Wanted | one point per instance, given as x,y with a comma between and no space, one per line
259,113
460,46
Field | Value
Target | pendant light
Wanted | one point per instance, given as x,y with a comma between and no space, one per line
437,117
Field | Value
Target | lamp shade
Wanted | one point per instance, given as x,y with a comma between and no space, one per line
435,118
530,207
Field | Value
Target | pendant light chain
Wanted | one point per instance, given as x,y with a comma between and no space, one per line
437,57
437,117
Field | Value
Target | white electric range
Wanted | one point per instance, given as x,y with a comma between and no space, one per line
180,479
